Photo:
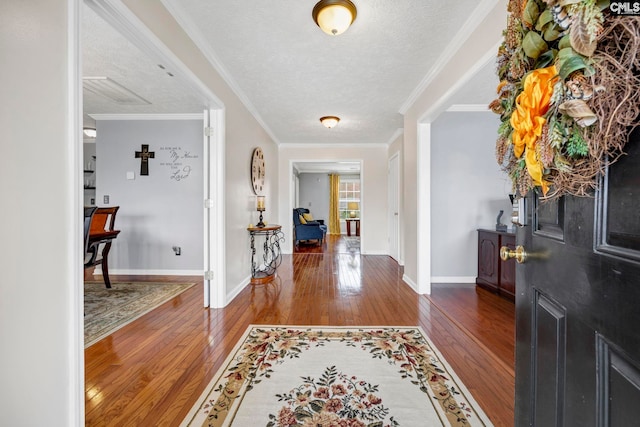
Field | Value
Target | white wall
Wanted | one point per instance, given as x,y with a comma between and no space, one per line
40,183
467,192
240,200
373,175
158,211
482,40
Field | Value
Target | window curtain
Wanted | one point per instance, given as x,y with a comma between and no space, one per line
334,204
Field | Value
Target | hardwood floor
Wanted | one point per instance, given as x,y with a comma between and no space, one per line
153,370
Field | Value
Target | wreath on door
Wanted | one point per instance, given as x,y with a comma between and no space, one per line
569,93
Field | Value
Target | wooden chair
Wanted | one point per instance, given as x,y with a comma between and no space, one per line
88,216
101,235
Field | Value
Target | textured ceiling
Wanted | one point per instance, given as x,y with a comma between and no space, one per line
288,71
106,53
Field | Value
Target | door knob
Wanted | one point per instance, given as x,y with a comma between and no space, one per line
519,254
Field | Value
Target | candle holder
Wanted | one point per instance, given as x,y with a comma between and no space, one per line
260,208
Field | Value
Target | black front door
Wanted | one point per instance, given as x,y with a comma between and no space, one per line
578,306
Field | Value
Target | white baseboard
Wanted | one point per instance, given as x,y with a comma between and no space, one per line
237,289
453,279
98,272
410,282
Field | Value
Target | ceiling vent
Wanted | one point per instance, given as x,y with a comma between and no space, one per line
112,90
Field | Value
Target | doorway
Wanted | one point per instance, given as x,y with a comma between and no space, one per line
394,207
310,190
112,41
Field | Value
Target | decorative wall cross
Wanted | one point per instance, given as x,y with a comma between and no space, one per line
144,157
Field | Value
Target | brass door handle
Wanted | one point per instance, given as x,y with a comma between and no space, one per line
519,254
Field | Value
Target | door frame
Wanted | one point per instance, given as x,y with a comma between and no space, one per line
131,27
394,199
294,195
214,221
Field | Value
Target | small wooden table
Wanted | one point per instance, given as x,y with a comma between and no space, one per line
349,221
271,256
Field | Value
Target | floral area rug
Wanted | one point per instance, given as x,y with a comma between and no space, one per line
107,310
335,377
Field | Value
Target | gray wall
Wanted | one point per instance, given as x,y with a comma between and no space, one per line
467,191
314,194
158,211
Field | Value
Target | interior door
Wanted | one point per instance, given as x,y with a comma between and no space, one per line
578,305
394,219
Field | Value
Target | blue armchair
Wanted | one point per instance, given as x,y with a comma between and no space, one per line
312,230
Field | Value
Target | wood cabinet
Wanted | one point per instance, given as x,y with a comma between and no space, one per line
494,274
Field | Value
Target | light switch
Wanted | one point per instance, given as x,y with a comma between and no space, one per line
131,175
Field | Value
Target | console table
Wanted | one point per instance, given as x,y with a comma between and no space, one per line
349,221
271,256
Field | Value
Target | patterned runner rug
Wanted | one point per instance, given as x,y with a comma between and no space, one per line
107,310
335,377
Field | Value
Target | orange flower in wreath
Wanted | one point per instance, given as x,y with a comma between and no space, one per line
528,119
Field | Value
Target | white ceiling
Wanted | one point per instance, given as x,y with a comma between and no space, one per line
106,53
287,71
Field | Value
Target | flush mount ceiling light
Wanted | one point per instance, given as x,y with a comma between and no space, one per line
89,132
329,121
334,16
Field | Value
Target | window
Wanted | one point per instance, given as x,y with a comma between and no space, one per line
349,192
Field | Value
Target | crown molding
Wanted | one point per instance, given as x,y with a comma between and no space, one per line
439,106
194,116
396,135
478,15
201,43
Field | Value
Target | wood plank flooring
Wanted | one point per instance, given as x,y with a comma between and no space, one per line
150,372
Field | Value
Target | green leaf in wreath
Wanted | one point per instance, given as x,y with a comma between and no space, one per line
531,13
576,146
552,32
534,45
544,18
565,41
569,62
546,59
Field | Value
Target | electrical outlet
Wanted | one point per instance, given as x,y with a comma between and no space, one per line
105,199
